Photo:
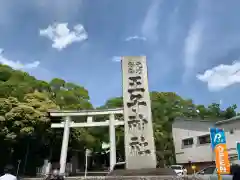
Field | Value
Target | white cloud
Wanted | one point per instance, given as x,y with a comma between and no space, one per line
192,46
116,59
221,76
136,38
17,64
62,37
150,23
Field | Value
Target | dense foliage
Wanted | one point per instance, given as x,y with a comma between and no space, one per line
25,124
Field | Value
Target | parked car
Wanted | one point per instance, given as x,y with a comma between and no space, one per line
210,173
179,169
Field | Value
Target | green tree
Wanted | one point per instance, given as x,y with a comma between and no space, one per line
230,111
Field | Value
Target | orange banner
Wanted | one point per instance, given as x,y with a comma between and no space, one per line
222,161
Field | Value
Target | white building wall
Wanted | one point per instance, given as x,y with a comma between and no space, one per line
183,129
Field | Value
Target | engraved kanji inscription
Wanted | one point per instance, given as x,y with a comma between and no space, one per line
139,146
137,122
139,68
131,67
136,97
135,81
143,120
134,123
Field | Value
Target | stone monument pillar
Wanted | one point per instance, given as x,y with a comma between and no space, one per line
139,140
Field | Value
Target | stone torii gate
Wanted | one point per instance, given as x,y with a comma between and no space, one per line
69,123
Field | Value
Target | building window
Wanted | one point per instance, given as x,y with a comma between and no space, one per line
187,142
204,139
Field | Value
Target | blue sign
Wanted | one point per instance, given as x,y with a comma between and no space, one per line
238,150
217,137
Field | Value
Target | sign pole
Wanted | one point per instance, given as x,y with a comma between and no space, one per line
219,176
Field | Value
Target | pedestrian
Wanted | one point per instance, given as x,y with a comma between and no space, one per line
8,173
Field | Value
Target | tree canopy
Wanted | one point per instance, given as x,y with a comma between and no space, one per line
25,124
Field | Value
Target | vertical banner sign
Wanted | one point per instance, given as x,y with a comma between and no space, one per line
139,140
218,142
238,150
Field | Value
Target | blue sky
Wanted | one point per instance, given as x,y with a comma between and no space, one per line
192,47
